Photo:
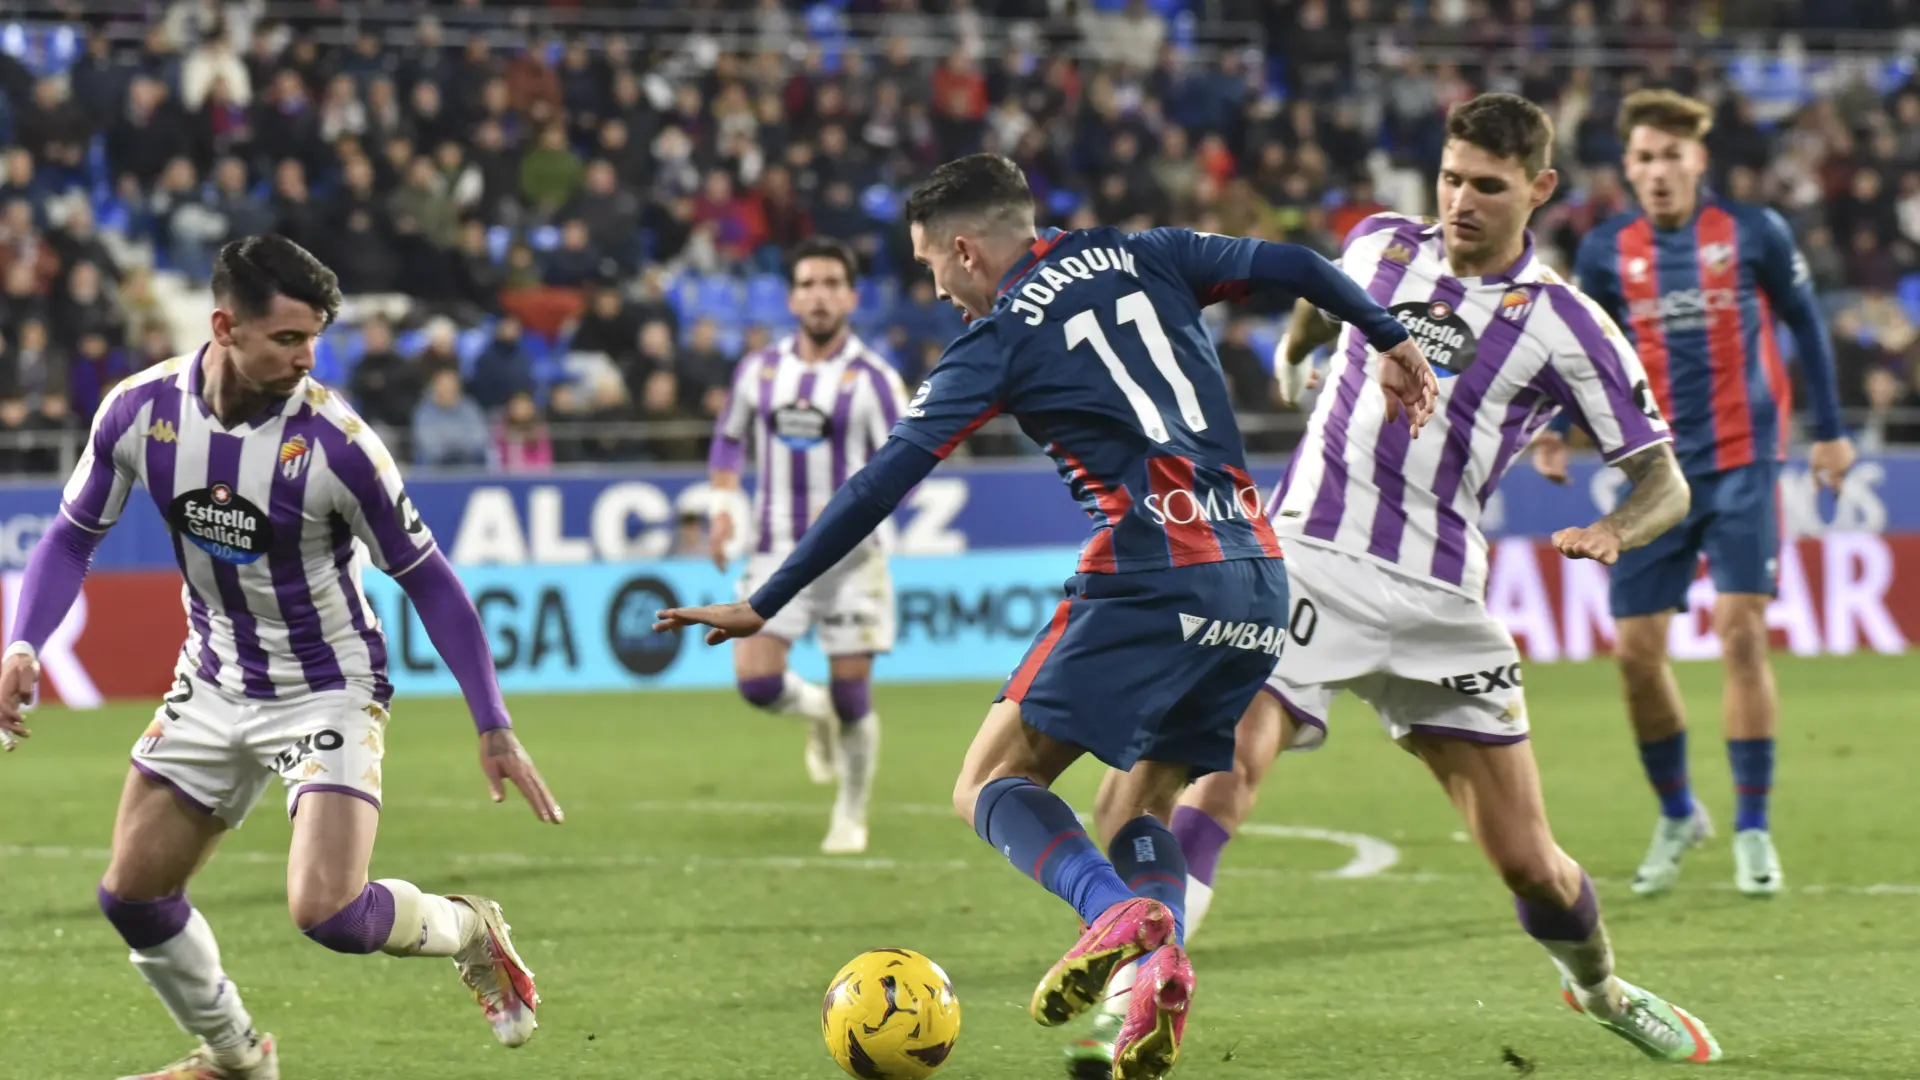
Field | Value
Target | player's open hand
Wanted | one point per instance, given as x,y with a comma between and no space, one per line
719,535
735,620
1597,542
1550,456
502,758
1829,462
1410,385
19,674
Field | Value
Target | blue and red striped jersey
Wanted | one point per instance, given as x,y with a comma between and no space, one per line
1096,347
1699,302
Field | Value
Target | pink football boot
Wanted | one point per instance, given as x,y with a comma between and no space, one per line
1149,1041
1124,932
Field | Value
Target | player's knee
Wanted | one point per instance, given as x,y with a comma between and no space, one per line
966,796
144,924
313,907
852,699
762,691
1532,875
1642,657
1743,639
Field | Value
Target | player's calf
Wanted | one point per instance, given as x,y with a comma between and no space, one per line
857,756
173,948
787,694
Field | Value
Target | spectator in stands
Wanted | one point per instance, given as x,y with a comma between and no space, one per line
84,308
477,278
142,310
1893,409
576,261
425,200
38,367
520,439
502,369
385,386
98,366
705,372
610,411
296,215
150,133
550,173
449,430
609,326
53,127
21,299
442,348
22,244
243,214
155,346
16,431
214,61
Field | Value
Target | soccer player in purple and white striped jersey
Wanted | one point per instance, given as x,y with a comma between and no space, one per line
276,494
813,407
1385,555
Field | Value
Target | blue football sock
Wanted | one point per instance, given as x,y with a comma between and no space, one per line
1666,765
1148,858
1037,831
1752,761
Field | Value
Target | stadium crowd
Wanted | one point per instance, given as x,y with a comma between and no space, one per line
587,232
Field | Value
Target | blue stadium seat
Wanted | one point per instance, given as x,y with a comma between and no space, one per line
63,47
718,296
877,294
1909,295
13,41
1263,341
327,365
471,343
411,342
499,239
881,203
1063,202
544,238
766,298
730,339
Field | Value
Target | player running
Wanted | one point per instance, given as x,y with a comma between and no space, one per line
816,405
267,479
1387,564
1092,339
1697,280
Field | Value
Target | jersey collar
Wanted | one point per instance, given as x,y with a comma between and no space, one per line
1523,267
194,380
1041,245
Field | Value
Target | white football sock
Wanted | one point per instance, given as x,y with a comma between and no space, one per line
1199,899
1120,990
1588,968
859,758
185,972
425,924
798,697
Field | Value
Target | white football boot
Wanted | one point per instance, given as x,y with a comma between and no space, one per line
203,1065
1756,866
495,973
1672,839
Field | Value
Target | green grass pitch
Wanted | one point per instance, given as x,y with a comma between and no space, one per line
683,926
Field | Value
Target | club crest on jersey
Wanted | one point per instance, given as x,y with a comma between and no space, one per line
1637,269
1515,305
1448,342
294,456
1717,257
218,521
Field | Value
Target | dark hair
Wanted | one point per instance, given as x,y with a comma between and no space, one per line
987,185
248,274
1665,110
1507,126
823,247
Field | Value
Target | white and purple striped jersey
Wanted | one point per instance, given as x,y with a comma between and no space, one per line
1511,351
264,517
812,425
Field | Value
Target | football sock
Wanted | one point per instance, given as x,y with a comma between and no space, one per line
425,924
859,757
1666,763
1578,943
174,950
1039,834
1201,838
852,699
361,927
786,694
1752,761
1148,858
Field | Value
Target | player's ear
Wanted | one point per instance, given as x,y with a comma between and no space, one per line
1544,185
223,327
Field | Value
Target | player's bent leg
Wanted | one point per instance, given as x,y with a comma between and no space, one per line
1659,725
1750,715
335,905
857,752
159,843
1496,788
1002,792
760,671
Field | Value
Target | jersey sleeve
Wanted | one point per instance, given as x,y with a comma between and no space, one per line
1215,267
97,491
373,499
889,400
1784,276
731,429
965,390
1594,374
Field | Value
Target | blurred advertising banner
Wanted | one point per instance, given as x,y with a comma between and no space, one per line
960,617
636,514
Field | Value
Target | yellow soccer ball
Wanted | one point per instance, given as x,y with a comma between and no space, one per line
890,1014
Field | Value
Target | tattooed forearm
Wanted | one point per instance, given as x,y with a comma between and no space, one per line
1309,330
1659,499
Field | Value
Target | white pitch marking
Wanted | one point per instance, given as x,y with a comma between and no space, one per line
1372,856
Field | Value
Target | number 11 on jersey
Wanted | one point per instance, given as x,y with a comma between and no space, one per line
1137,309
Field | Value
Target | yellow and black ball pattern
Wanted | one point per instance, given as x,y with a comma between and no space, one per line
890,1014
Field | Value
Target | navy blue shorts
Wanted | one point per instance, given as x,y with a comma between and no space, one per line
1734,522
1155,665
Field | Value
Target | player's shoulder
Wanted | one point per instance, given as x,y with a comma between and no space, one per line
1385,224
1572,319
867,363
339,429
1754,219
123,403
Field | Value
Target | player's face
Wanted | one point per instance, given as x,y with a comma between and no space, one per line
1664,171
958,270
274,352
1485,201
821,297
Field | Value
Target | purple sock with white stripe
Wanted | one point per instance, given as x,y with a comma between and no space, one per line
361,927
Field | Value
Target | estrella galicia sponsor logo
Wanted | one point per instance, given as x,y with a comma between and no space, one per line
222,524
630,633
801,425
1251,636
1503,677
1446,339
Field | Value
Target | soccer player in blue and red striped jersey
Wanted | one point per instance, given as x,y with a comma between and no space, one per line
1698,281
1092,339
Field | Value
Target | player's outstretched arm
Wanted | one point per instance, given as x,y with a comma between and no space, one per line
1306,331
457,634
858,508
55,572
1658,501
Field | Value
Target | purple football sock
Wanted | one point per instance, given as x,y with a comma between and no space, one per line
1201,837
146,924
362,926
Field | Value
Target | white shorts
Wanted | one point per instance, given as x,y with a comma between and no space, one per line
220,752
849,606
1426,658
